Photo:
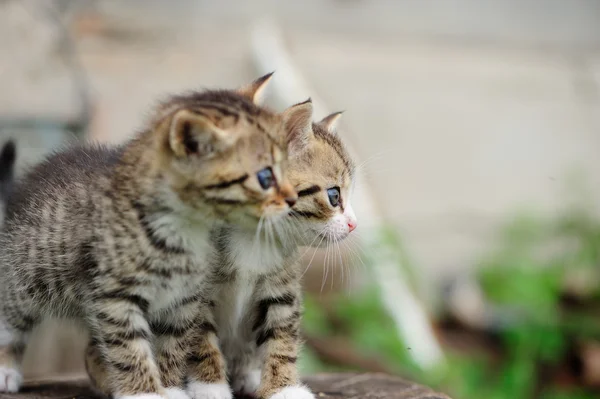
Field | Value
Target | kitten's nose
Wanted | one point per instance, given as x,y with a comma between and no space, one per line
351,225
291,201
288,193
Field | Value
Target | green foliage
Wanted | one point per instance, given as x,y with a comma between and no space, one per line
523,280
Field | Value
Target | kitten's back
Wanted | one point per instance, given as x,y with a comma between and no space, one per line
59,174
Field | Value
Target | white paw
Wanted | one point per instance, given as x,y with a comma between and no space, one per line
247,384
10,379
295,392
200,390
140,396
176,393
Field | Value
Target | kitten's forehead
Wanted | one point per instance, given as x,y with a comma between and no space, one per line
334,164
261,148
226,109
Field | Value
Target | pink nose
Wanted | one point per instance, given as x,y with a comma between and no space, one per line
351,225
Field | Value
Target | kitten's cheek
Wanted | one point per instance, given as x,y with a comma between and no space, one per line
339,227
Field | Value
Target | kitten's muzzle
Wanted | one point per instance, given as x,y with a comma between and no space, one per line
291,201
288,194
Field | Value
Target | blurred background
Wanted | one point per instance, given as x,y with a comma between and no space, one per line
476,267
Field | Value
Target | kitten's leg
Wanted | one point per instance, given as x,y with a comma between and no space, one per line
173,339
207,371
96,368
278,338
15,328
12,348
121,333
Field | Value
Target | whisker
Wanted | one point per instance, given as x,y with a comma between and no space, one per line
342,265
314,253
375,157
327,253
352,252
354,244
313,241
326,269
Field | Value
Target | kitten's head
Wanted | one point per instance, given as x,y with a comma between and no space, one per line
322,173
224,154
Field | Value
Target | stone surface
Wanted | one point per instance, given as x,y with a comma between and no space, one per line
340,386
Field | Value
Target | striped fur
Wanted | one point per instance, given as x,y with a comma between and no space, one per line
258,303
118,238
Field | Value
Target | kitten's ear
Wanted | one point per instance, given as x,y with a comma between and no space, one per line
329,123
191,134
255,90
297,120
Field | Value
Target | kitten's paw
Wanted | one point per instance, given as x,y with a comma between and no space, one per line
248,384
140,396
200,390
294,392
10,379
176,393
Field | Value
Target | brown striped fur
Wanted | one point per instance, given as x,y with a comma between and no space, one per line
118,238
258,302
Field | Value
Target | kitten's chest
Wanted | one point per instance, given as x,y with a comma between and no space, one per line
235,305
250,260
250,255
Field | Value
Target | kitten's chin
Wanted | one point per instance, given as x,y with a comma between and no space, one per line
251,222
320,240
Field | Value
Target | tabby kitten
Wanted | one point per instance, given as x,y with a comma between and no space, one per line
118,238
258,304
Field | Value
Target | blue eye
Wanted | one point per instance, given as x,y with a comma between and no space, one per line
266,178
334,196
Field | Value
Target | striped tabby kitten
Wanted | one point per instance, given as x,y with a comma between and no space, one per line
258,305
118,238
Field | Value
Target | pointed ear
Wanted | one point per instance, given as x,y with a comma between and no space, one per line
254,90
297,120
191,134
330,122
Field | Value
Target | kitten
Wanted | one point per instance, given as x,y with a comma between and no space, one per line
118,238
258,304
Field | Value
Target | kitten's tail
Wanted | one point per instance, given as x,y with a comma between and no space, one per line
8,156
